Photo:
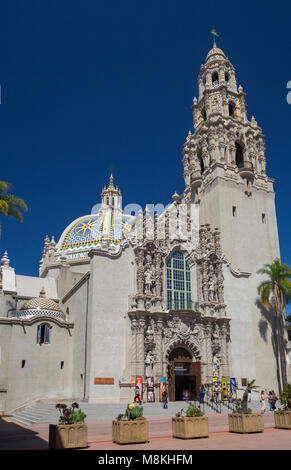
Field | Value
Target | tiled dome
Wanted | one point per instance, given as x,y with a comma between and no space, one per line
215,53
40,306
87,232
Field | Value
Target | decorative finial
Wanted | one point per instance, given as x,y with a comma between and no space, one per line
175,197
42,292
214,33
5,260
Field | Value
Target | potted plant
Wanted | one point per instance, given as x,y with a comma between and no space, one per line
131,426
282,417
194,424
243,420
71,432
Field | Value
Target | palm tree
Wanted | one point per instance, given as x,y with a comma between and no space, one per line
10,205
250,387
276,290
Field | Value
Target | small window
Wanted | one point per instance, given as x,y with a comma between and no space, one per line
22,363
239,155
62,364
227,77
234,211
113,201
263,218
107,201
231,109
215,79
43,334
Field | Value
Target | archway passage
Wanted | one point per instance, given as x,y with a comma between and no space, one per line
184,376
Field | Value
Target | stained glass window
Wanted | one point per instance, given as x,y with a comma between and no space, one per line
178,282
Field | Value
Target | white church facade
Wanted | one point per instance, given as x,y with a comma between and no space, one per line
125,296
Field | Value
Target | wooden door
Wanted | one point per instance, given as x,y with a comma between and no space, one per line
172,390
196,370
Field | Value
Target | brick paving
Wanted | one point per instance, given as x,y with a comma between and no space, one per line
14,436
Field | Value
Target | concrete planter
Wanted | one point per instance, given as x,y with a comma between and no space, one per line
130,432
245,423
68,436
282,419
190,428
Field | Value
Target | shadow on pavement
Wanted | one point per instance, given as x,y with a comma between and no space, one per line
16,437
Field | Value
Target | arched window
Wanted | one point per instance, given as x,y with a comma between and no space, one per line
178,283
227,77
215,79
239,156
203,114
43,334
231,109
200,159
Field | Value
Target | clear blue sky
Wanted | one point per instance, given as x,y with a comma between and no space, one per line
90,84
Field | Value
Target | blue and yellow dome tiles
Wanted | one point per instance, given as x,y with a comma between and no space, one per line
40,306
88,231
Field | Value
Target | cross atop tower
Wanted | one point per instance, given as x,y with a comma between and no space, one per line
215,35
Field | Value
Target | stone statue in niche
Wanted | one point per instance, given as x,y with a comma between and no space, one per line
211,290
149,363
148,281
216,365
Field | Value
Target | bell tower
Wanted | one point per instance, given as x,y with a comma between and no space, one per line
224,161
227,188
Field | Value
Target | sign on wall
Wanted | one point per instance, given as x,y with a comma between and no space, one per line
138,389
233,387
163,382
224,395
150,390
103,380
214,385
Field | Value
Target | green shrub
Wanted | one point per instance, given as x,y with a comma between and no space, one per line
285,397
191,412
131,413
69,415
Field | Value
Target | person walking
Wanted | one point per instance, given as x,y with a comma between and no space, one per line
262,401
270,400
165,399
275,398
202,394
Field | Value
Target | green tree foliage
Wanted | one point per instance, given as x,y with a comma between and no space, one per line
274,293
10,205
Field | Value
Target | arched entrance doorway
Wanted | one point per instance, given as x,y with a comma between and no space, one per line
184,375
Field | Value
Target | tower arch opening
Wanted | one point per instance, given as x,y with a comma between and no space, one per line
231,109
215,78
239,156
203,114
200,160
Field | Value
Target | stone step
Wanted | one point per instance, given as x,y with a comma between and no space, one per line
47,413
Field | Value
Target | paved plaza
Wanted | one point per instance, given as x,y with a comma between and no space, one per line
15,436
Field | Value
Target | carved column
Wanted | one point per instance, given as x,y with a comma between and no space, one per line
159,348
140,347
224,350
208,351
139,262
133,349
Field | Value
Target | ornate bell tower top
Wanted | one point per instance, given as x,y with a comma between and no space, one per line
218,91
111,196
223,137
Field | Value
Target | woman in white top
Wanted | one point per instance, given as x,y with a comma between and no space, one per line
262,401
